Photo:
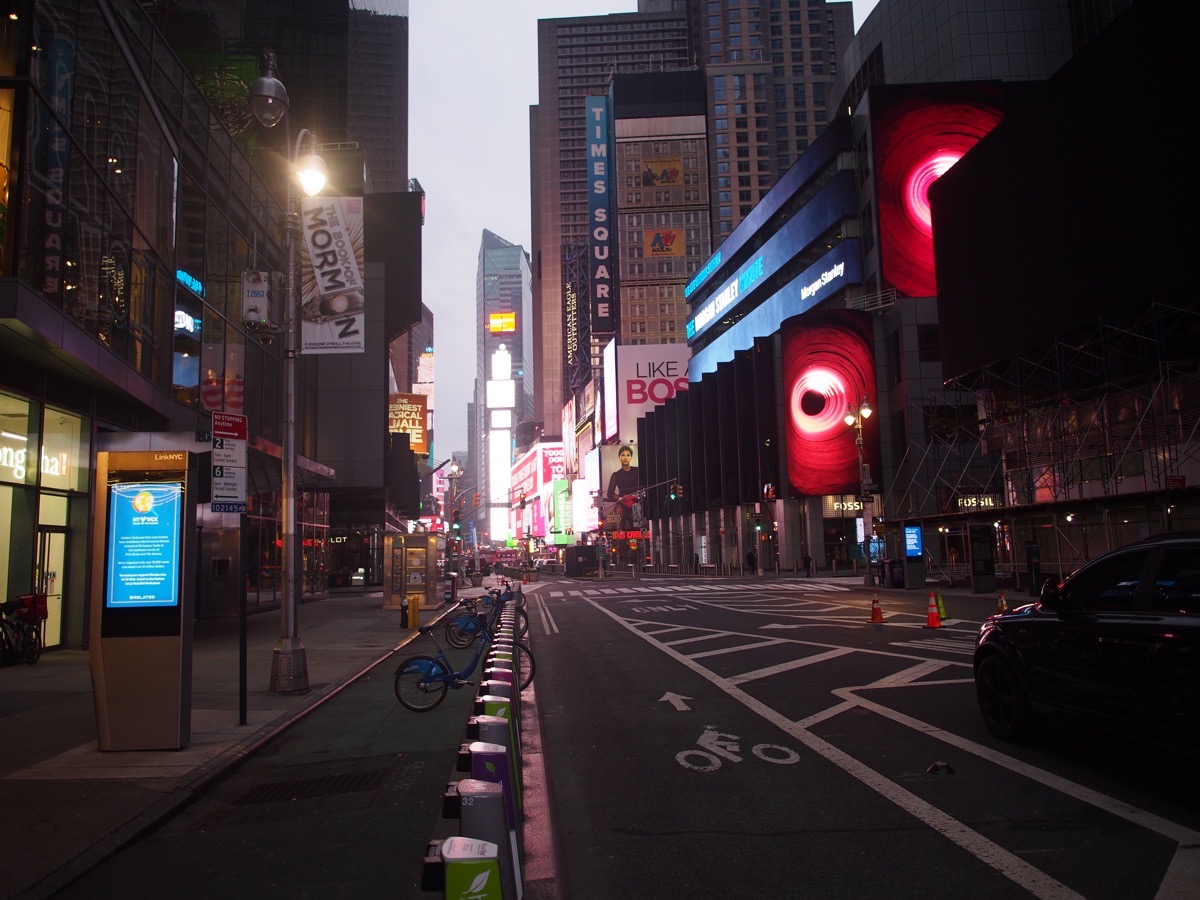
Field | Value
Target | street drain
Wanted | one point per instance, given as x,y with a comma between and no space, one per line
309,788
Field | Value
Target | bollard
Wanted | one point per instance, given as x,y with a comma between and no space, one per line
479,807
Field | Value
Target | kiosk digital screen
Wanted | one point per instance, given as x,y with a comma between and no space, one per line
145,522
912,541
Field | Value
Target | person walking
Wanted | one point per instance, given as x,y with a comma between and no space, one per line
751,559
808,565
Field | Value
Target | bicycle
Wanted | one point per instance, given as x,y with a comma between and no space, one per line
422,682
20,635
463,628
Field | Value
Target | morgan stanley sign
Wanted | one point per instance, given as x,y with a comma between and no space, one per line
601,269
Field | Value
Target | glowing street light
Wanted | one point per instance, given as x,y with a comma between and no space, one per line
269,102
854,418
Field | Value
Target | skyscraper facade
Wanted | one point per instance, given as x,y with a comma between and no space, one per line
767,70
504,330
576,58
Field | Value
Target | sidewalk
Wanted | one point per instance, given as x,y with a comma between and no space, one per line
69,805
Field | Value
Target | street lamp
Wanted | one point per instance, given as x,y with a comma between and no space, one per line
854,418
449,508
269,102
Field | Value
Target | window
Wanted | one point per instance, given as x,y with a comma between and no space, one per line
1109,584
1177,585
928,344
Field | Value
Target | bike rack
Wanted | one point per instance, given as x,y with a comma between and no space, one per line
486,807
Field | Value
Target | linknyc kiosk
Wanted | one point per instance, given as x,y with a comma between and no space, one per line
142,599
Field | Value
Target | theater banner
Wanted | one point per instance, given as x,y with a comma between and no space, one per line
332,292
407,414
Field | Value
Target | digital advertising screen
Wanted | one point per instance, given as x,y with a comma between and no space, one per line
913,547
145,525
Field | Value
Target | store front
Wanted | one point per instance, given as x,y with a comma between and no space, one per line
44,475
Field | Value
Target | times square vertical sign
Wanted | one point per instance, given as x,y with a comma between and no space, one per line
601,266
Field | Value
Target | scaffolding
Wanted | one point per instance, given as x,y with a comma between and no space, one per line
1086,442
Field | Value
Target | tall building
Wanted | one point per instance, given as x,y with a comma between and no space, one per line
504,371
770,68
1032,403
345,67
766,72
576,58
139,191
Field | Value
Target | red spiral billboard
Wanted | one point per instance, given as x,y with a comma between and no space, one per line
828,367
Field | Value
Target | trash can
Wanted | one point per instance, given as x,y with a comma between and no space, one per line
450,594
896,573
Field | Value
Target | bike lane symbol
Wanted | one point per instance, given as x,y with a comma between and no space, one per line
716,745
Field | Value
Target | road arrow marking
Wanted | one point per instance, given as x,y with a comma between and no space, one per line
676,700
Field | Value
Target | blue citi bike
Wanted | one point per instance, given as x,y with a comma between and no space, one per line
464,627
422,682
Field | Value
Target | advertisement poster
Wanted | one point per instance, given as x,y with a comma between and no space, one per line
144,534
407,415
332,298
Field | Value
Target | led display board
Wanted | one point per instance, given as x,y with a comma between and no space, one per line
145,521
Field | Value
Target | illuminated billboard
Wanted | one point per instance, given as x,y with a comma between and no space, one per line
828,368
502,322
919,133
408,414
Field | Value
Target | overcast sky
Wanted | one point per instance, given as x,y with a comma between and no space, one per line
478,59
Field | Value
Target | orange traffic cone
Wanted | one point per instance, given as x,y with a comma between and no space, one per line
1001,604
876,612
524,578
932,619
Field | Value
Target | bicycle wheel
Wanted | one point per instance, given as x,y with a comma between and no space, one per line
525,661
461,631
522,623
31,651
416,687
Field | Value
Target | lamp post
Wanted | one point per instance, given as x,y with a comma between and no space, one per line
449,508
854,418
269,102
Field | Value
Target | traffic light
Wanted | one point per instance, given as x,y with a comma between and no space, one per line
757,524
475,499
456,521
522,499
674,491
679,490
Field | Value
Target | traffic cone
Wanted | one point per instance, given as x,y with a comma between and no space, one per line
941,607
932,619
524,578
1001,604
876,612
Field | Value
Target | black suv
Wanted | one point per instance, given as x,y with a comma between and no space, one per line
1117,643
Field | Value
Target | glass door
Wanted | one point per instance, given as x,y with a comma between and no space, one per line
49,578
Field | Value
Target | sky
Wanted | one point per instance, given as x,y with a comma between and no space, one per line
474,163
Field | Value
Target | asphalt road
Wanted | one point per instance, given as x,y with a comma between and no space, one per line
717,740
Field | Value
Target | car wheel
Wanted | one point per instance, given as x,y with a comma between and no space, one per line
1003,700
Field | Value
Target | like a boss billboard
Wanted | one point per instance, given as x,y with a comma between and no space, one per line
648,375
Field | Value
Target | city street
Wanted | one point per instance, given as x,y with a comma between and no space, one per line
718,739
705,738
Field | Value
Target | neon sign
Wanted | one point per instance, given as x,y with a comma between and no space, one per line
727,296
